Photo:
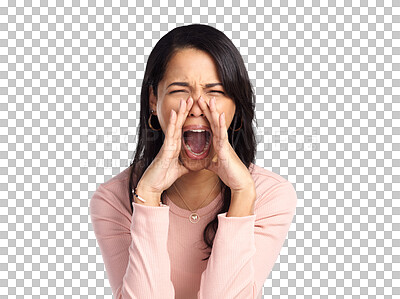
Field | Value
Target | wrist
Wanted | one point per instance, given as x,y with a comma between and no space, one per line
151,198
242,203
241,206
248,188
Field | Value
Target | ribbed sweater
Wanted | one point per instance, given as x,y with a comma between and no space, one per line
156,252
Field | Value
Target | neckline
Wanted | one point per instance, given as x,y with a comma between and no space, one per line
204,211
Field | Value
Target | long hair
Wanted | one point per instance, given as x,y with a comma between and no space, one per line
236,83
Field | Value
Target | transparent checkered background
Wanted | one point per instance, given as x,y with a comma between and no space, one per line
327,80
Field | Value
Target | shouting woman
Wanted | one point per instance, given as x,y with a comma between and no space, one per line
193,184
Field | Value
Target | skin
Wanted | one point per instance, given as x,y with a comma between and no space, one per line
205,105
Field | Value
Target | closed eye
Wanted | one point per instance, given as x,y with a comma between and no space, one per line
211,91
179,90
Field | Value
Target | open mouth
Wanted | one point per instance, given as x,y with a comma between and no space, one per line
197,141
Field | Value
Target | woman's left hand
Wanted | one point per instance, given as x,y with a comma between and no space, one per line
226,163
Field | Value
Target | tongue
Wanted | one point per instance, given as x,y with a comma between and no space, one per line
196,141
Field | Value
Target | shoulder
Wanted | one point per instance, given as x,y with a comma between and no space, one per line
271,187
113,193
263,175
120,178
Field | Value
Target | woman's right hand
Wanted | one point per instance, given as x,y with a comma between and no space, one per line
166,167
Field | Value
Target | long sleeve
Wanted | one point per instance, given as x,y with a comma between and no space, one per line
245,248
134,250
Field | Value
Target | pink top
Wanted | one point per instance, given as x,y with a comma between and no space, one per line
156,251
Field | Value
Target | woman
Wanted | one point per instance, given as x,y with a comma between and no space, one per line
193,182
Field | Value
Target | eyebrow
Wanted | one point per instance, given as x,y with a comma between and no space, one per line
185,84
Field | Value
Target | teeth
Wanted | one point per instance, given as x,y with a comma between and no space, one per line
197,130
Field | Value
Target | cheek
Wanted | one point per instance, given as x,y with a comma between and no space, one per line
164,109
228,107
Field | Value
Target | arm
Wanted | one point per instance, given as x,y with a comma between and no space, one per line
134,247
245,248
242,202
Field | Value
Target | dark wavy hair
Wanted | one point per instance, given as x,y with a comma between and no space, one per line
237,86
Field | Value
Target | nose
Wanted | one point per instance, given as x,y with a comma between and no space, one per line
196,110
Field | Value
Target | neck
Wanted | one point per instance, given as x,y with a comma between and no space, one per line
194,187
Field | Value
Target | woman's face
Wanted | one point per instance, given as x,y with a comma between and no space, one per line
190,72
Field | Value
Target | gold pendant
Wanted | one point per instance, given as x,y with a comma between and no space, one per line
194,218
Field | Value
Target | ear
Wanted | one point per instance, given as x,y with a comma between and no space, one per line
152,100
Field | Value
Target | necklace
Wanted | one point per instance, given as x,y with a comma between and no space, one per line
194,217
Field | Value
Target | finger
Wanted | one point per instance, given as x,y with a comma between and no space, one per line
170,128
215,116
222,127
183,112
182,117
206,109
182,107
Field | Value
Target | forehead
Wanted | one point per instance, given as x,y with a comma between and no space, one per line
192,66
